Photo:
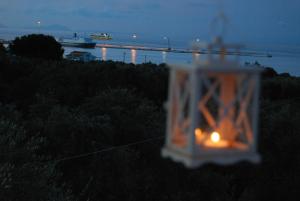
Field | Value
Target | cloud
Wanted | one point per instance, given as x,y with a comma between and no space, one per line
93,9
197,4
2,25
57,27
282,23
96,14
176,17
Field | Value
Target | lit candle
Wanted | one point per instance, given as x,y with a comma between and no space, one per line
216,141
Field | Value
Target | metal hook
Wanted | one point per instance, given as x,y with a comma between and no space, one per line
222,21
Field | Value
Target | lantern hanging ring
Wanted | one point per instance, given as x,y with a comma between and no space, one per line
219,24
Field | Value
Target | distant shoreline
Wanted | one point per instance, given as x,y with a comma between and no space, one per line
283,60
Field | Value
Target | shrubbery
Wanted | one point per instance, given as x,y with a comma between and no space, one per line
52,111
2,53
2,49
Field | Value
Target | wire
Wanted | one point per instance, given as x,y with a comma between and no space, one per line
89,153
121,146
125,145
104,150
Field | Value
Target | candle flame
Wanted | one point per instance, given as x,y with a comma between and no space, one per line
198,132
199,135
215,137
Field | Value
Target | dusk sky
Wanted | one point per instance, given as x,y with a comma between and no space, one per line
267,21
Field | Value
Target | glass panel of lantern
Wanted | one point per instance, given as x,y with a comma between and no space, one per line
212,113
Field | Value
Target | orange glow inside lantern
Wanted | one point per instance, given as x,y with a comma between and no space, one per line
216,141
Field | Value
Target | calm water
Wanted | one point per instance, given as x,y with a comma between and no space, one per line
284,58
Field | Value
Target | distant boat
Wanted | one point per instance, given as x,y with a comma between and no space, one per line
77,42
101,36
81,56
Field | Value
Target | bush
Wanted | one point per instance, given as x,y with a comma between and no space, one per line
2,52
269,73
2,49
64,111
23,174
37,46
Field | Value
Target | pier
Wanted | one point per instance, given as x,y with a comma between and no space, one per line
195,52
135,48
175,50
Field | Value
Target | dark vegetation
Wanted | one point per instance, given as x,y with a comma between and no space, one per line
52,110
37,46
2,52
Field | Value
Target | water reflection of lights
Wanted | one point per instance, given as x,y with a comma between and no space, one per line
133,56
103,49
164,56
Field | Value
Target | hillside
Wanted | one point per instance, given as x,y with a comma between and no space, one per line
51,111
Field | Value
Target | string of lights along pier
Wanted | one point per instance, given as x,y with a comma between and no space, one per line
195,52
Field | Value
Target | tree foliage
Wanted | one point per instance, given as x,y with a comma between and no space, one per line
2,53
2,49
37,46
52,112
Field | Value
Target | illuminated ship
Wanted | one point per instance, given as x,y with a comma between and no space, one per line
77,42
101,36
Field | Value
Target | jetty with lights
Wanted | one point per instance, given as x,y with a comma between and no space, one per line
178,50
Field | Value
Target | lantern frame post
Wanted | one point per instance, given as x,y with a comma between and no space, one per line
255,116
192,113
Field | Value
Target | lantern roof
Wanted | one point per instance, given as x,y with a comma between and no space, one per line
217,61
217,66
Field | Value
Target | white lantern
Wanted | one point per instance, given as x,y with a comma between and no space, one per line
212,112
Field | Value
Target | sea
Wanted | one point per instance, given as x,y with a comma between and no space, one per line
285,58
